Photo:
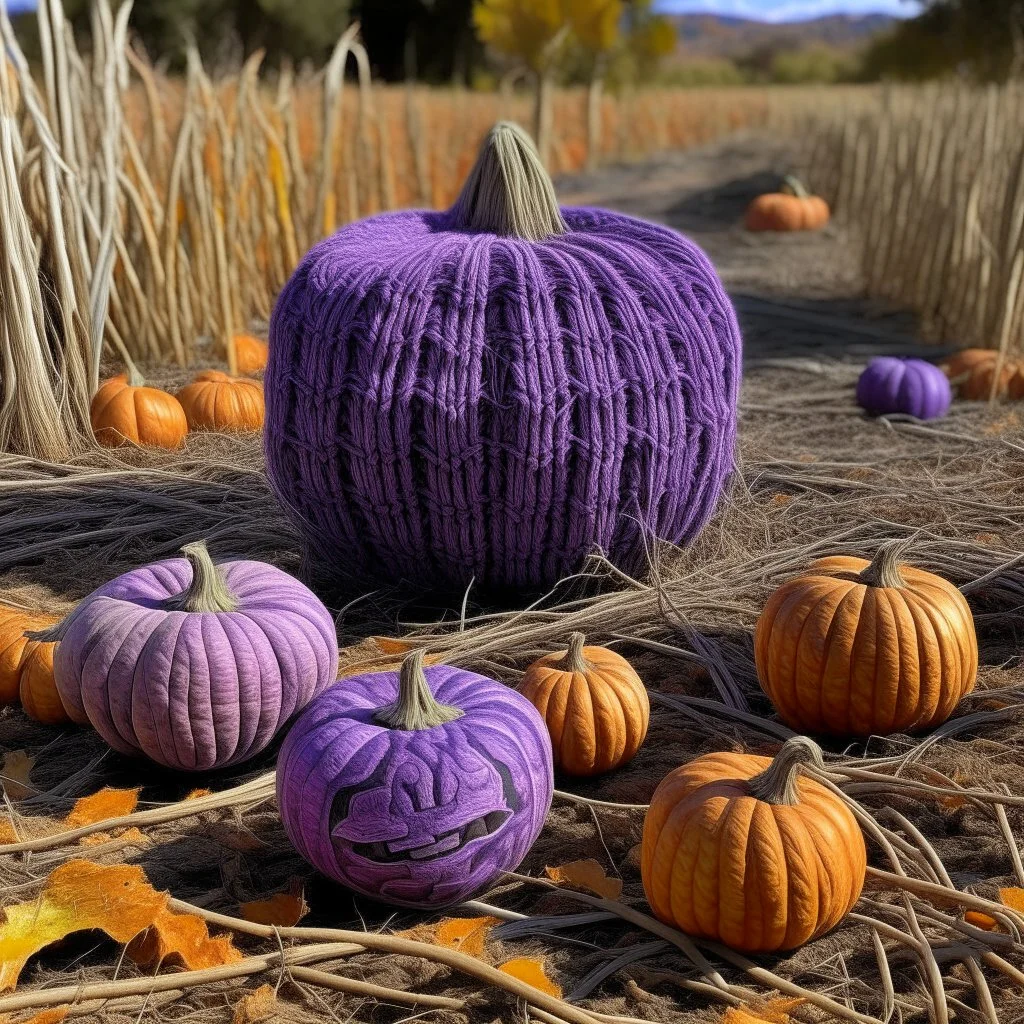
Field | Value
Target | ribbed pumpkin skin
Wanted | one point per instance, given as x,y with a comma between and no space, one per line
37,688
250,354
144,416
838,657
779,211
973,371
719,864
13,624
219,402
597,718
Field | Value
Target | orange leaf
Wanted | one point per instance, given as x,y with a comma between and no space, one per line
466,934
15,773
586,874
54,1015
128,837
283,909
980,920
391,645
771,1011
195,794
107,803
1011,898
116,899
532,972
256,1006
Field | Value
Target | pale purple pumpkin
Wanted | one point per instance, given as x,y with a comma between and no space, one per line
418,788
193,665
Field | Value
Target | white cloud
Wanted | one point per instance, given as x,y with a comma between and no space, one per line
789,10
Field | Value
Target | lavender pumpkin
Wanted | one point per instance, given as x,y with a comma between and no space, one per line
494,391
909,386
418,788
192,664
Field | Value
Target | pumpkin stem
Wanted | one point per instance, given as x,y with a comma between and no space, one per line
508,191
52,634
416,707
884,570
574,660
777,783
135,379
207,592
796,186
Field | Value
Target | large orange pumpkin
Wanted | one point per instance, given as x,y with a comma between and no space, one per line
792,210
973,370
37,689
14,622
737,849
857,648
217,401
594,705
250,354
124,410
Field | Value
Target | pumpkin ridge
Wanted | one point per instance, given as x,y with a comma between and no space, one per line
610,718
778,646
903,625
835,622
738,885
809,615
946,633
144,671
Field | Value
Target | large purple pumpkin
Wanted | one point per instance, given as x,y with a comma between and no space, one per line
494,391
418,788
196,666
909,386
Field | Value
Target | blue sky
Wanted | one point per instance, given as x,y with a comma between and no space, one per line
790,10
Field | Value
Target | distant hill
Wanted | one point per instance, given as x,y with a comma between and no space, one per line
712,35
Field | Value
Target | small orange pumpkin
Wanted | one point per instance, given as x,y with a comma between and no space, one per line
125,410
854,648
793,209
737,849
37,688
250,354
14,622
594,705
217,401
972,371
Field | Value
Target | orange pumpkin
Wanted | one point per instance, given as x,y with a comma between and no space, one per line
250,354
737,849
594,705
37,688
855,648
125,410
973,370
217,401
14,622
792,210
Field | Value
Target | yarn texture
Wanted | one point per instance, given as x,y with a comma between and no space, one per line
447,403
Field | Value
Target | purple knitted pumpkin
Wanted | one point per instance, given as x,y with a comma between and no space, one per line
195,666
416,788
496,390
909,386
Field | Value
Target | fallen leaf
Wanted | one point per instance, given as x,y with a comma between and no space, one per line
107,803
772,1011
1012,898
53,1015
633,857
283,909
466,934
195,794
116,899
129,837
532,972
781,499
256,1006
586,874
15,772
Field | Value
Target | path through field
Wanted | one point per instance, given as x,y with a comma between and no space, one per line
815,476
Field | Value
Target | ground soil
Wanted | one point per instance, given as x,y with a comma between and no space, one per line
814,476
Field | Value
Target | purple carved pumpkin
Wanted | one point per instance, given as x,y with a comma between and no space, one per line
196,666
418,788
909,386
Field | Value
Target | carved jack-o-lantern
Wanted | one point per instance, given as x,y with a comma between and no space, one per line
419,787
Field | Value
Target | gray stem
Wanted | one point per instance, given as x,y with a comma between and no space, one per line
884,570
777,783
207,592
574,660
416,707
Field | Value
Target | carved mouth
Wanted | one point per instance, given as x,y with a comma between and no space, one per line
439,846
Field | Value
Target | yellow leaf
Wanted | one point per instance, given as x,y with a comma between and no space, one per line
283,909
532,972
107,803
116,899
586,874
466,934
14,774
771,1011
256,1006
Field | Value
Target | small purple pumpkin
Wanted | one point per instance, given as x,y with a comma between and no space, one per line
195,665
418,788
909,386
